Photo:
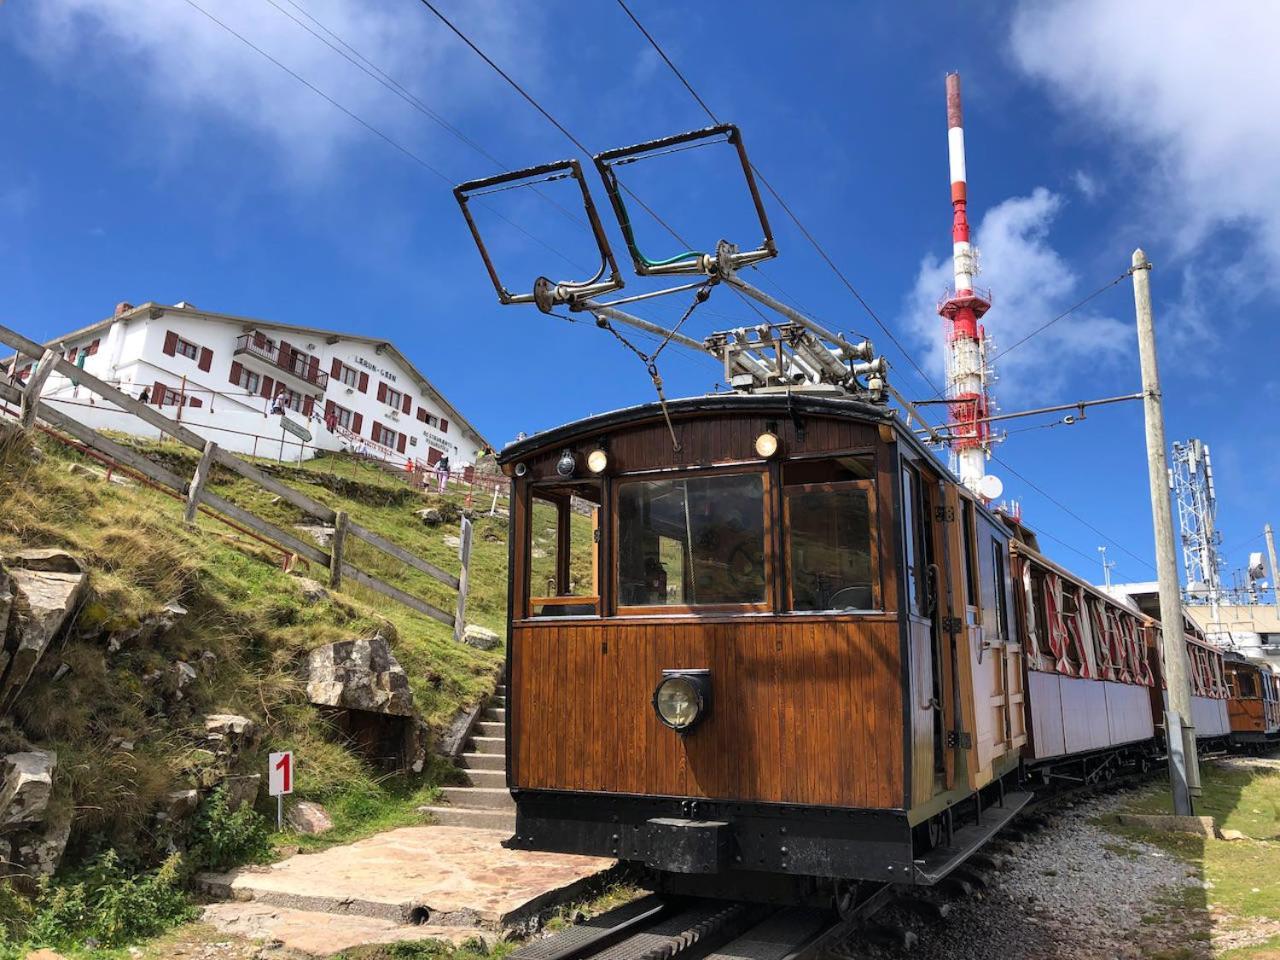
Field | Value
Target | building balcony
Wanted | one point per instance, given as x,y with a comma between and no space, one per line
285,359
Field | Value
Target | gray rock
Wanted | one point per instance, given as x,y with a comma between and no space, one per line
482,638
359,675
7,590
227,734
312,590
430,516
179,805
242,791
183,675
307,817
208,663
451,541
42,602
38,852
49,560
316,531
27,787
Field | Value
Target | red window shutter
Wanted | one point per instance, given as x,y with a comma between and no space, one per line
170,343
422,414
195,402
328,409
382,391
335,370
357,421
206,359
71,355
364,382
408,405
236,370
308,405
400,445
157,394
284,359
93,347
444,425
432,456
267,384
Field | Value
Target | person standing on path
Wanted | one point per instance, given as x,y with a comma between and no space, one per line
442,472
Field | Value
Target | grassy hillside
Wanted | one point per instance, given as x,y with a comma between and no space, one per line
122,743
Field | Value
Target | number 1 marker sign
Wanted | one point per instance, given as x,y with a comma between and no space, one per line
280,781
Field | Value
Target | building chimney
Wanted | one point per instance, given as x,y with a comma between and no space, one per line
123,307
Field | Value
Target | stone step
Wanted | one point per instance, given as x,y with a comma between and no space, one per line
489,728
488,778
501,691
496,745
477,819
483,761
479,798
494,715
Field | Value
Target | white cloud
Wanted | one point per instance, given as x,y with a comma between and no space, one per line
188,70
1032,284
1192,85
1088,185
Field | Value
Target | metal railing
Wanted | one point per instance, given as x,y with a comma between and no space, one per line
297,363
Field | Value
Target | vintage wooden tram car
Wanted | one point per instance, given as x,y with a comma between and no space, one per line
1254,704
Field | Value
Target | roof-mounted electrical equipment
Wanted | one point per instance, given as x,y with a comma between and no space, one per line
546,293
687,261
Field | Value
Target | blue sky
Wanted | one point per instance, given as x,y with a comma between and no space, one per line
149,154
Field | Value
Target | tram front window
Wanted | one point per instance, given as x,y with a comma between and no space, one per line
693,541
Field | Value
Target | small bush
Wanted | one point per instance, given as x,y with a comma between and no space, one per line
224,838
105,902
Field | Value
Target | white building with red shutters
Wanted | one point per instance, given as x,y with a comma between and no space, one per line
252,385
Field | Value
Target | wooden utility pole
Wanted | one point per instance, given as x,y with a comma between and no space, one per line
1179,725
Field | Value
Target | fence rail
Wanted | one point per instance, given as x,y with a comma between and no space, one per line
27,398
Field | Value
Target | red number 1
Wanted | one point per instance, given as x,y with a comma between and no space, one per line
284,764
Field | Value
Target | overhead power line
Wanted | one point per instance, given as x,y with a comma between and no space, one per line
386,138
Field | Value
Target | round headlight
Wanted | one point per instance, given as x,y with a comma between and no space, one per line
566,464
597,460
766,445
521,469
681,699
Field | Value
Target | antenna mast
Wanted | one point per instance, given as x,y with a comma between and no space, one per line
1197,500
968,373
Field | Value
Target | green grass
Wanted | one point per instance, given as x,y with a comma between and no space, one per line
1243,892
253,621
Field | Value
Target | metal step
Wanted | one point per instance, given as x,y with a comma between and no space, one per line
483,761
488,778
487,728
477,819
496,745
501,691
479,798
494,715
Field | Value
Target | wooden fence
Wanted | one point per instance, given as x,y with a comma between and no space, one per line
27,398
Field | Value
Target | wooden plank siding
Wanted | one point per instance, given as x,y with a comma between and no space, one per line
805,710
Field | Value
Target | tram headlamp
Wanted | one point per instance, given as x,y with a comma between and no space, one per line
566,464
767,444
597,460
521,469
682,698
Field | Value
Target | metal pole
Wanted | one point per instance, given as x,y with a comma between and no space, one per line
1275,570
279,812
1172,629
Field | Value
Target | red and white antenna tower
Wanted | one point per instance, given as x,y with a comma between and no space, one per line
968,374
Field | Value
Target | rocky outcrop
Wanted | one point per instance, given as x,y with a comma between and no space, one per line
312,590
27,787
242,791
359,675
38,851
44,587
482,638
430,516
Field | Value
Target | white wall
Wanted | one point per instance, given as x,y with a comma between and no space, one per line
130,355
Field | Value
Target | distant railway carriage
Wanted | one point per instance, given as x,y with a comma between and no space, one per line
1209,693
1254,705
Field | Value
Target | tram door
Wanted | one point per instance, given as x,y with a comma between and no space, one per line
926,587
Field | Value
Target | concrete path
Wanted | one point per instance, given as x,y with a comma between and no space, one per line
405,880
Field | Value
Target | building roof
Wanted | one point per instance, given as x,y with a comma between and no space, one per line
153,310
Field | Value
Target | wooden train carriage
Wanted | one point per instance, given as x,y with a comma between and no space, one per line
1253,706
1208,684
842,604
1088,676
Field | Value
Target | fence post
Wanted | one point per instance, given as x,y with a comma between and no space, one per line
198,480
31,392
336,548
464,552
